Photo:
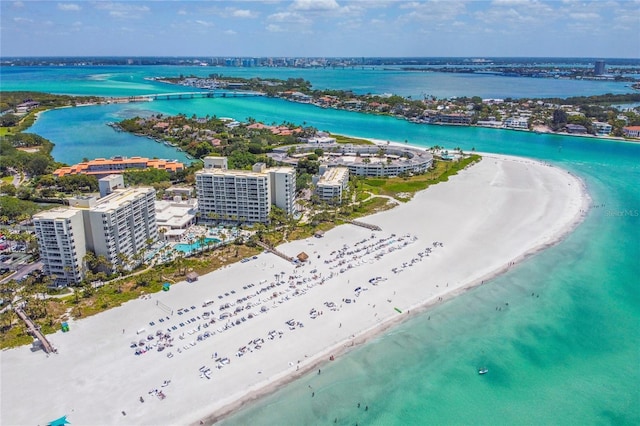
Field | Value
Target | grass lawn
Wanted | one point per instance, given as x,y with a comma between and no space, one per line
403,188
354,141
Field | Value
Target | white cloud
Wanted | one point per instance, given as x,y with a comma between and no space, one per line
243,13
514,13
230,32
274,28
433,11
21,20
18,4
315,5
182,12
584,16
288,17
123,10
204,23
69,7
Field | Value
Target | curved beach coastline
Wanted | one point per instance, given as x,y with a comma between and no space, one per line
488,217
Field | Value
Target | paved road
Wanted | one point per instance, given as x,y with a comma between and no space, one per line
22,271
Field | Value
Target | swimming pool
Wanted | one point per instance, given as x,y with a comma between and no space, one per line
188,248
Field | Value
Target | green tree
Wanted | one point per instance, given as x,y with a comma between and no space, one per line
8,189
38,165
9,120
559,119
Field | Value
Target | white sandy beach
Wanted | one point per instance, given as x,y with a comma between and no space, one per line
493,214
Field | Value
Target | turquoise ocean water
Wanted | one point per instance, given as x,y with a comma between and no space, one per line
566,349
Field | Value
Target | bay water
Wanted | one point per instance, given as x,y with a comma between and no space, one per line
566,348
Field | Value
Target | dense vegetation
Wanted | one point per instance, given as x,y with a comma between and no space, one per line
14,209
10,100
16,157
199,137
429,109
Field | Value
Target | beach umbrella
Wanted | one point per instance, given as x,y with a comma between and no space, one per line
59,421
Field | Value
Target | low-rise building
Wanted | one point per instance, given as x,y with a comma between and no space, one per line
602,129
176,213
577,129
102,167
330,183
109,183
372,160
490,123
631,131
453,118
517,123
27,106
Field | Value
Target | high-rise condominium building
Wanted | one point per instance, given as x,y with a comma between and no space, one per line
61,240
598,69
121,225
283,188
241,195
118,227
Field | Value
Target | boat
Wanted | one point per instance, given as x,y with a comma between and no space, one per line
483,370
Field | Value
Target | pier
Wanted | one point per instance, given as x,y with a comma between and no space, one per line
274,251
363,224
34,330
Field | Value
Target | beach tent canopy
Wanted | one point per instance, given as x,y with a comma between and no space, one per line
166,286
192,276
303,257
59,422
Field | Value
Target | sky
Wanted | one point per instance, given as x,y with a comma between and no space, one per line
322,28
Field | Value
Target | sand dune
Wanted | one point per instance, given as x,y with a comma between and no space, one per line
484,219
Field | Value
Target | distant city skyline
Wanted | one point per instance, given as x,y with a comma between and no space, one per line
322,28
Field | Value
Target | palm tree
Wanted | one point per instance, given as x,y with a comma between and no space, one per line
123,260
67,272
201,242
180,262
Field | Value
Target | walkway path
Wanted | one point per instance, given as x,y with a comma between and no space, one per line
35,331
274,251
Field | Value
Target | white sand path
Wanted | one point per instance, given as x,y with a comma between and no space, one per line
487,217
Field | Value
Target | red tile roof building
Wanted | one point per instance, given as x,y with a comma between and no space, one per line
102,167
631,131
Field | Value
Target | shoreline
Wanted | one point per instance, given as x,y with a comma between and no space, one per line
418,309
587,136
521,189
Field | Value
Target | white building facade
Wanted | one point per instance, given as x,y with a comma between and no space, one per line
233,196
243,196
61,240
118,227
602,129
282,181
122,223
331,183
517,123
